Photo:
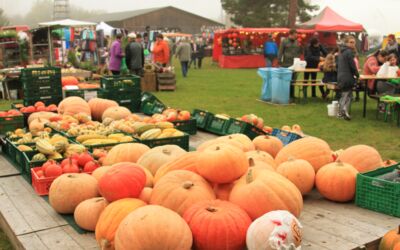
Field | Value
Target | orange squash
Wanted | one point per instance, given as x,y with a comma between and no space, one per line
87,213
262,156
116,113
203,146
314,150
145,195
260,191
242,139
180,189
391,240
37,125
158,156
111,218
337,181
99,105
99,172
364,158
73,105
260,164
42,115
127,152
153,227
222,163
69,80
300,172
270,144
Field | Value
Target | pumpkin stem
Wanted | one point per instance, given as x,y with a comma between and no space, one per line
249,176
251,162
166,151
99,199
104,244
187,184
211,209
398,230
291,158
266,136
339,163
217,148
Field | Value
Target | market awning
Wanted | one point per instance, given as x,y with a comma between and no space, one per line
176,35
330,21
107,29
67,23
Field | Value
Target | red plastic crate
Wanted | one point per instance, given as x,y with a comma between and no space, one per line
42,185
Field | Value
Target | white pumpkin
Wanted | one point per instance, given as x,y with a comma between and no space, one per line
158,156
276,230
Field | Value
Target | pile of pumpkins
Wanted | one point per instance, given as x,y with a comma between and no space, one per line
231,193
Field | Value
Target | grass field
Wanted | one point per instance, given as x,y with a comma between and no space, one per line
4,243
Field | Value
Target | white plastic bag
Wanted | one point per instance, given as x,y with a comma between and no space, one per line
298,64
392,71
383,70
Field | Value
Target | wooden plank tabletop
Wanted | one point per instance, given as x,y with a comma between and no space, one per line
374,77
31,223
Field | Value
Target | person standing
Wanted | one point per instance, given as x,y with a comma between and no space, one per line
392,47
270,51
134,55
347,75
200,52
161,51
288,50
193,56
314,53
116,55
183,52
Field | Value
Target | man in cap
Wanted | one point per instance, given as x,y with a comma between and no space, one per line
134,55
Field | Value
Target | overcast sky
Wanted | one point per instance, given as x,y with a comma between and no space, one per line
376,15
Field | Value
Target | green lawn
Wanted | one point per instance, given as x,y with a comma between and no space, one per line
235,92
4,243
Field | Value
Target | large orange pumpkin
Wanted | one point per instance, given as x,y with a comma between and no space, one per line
187,161
260,164
242,139
222,163
300,172
127,152
73,105
203,146
69,80
270,144
337,181
314,150
99,172
110,219
262,156
153,227
179,189
116,113
123,180
42,114
391,240
68,190
87,213
158,156
217,225
99,105
364,158
260,191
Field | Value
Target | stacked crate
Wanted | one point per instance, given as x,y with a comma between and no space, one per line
41,84
125,90
166,81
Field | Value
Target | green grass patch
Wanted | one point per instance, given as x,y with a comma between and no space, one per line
4,242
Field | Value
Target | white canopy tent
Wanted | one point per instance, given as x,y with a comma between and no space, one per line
107,29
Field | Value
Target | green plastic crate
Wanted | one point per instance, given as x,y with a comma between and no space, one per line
47,100
202,117
106,146
235,126
217,125
40,73
152,107
181,141
189,126
120,82
377,194
11,123
147,96
28,164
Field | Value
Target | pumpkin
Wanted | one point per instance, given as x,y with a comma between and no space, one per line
116,113
126,152
153,227
217,224
145,195
222,163
262,156
391,240
99,105
37,125
259,164
203,146
222,191
316,151
274,230
337,181
187,161
149,177
73,105
242,139
43,115
180,189
69,80
158,156
110,219
300,172
68,190
100,171
270,144
364,158
123,180
260,191
388,163
87,213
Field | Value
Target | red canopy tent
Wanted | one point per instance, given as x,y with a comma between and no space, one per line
330,21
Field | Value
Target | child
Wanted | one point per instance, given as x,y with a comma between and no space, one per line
329,68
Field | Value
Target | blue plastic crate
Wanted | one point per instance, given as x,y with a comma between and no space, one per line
285,136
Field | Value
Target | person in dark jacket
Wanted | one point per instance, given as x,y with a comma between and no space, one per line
134,55
200,52
183,54
193,54
314,53
347,75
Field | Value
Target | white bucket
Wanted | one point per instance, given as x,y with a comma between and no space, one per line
13,94
332,110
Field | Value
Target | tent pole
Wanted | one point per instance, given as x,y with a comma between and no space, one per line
50,46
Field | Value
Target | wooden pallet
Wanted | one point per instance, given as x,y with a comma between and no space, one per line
166,87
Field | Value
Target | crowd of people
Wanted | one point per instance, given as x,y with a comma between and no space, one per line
340,65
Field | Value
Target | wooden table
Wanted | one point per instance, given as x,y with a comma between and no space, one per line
371,77
30,222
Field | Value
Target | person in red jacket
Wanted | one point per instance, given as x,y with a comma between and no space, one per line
161,51
372,66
